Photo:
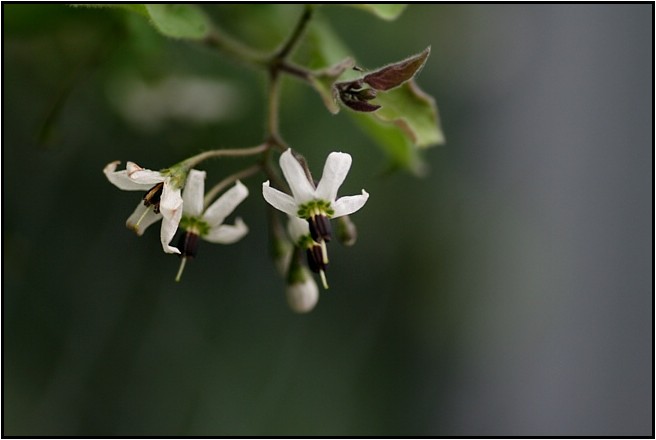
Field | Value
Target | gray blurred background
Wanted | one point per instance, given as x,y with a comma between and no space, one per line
509,292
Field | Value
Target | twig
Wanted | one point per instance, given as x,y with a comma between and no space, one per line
246,172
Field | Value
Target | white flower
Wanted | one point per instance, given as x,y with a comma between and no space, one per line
317,205
310,203
208,223
162,199
302,291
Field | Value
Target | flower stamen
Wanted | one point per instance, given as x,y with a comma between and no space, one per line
317,257
153,196
324,252
323,279
136,225
188,245
320,227
181,269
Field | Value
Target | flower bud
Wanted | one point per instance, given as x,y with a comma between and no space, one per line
347,232
352,95
302,291
365,94
281,253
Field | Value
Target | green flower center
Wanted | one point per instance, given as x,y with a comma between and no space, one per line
194,224
315,207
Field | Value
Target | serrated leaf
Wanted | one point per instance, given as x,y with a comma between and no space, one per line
179,20
414,112
386,11
395,74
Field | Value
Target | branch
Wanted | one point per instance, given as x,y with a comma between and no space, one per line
228,152
295,36
246,172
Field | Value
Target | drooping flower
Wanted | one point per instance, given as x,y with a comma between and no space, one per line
302,291
315,204
162,200
207,223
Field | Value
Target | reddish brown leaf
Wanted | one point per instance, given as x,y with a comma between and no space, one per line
394,75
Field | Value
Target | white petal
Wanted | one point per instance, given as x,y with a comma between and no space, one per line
279,199
224,205
170,206
121,180
167,232
142,175
303,296
227,234
141,218
301,187
297,228
350,204
193,192
334,172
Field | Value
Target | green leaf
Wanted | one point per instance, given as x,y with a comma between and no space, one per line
407,122
414,112
139,8
321,47
172,20
397,146
386,11
179,20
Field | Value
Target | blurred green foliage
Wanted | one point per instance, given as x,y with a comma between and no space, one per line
102,341
507,292
409,117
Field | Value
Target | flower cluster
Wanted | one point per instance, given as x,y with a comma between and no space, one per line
301,212
177,197
314,205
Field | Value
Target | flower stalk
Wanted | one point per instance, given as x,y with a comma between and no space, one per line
227,152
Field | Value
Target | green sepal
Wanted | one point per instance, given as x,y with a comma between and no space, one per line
313,207
195,225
